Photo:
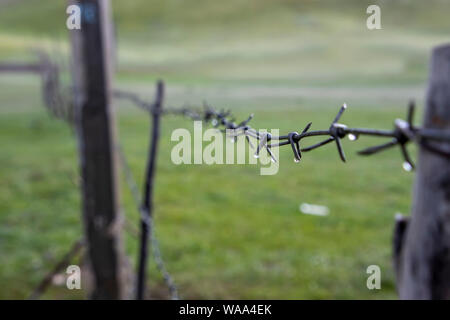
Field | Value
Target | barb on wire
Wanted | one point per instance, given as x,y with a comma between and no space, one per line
403,133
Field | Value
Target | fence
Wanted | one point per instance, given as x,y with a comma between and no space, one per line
404,132
421,244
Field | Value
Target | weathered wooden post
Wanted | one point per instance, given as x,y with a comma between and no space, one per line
423,252
96,138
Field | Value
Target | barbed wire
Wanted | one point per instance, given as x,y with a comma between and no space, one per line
404,132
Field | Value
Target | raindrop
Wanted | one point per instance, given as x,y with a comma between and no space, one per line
256,156
296,160
352,137
214,122
407,166
273,160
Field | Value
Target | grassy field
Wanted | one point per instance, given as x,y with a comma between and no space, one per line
226,231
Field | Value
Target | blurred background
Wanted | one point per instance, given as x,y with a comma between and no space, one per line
225,231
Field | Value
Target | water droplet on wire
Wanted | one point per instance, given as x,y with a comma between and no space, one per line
296,160
352,137
407,166
256,156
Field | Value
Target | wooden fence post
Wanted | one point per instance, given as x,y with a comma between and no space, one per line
97,143
423,254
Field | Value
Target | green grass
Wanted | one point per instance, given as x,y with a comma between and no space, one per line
260,41
226,231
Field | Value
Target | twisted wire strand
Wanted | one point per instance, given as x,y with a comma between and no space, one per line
403,132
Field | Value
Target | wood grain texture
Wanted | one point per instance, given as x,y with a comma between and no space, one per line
97,143
424,263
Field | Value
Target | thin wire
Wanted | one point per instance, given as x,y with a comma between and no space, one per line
156,250
403,132
43,285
